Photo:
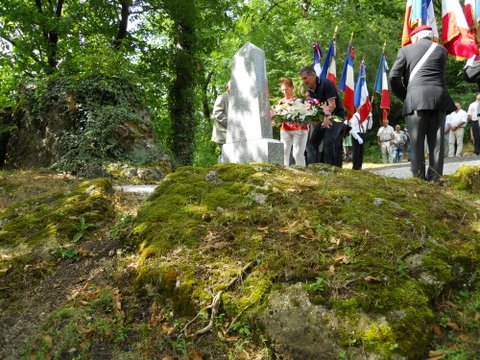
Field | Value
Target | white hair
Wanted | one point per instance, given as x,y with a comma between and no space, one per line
422,34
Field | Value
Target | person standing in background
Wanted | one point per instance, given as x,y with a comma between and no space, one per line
399,140
220,117
359,136
384,140
457,121
472,114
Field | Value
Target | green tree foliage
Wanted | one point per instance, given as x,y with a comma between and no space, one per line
180,51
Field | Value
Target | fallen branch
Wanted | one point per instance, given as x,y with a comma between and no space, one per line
216,301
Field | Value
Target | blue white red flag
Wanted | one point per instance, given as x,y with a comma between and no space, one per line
456,35
381,86
317,56
329,70
472,15
417,13
347,83
362,100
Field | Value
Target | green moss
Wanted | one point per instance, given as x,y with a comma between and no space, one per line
55,216
467,177
380,339
209,223
438,267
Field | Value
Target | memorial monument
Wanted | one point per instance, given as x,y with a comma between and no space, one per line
249,131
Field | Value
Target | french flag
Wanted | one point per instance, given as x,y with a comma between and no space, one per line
472,15
381,86
417,13
317,56
329,70
347,83
456,35
362,100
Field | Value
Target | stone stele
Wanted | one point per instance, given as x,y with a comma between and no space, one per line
249,130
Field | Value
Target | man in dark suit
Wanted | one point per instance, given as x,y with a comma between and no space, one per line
418,79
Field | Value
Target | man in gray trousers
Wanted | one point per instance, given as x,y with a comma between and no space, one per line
418,79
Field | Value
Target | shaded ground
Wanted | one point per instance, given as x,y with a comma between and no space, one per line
102,263
45,283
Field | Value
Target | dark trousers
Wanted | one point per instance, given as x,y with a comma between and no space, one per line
329,137
429,123
339,145
357,152
476,137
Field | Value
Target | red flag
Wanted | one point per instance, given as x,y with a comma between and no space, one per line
362,99
329,70
347,83
456,35
381,86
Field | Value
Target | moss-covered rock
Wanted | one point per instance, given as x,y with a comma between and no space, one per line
79,125
467,177
54,220
384,249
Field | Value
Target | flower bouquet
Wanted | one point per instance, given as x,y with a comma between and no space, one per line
298,111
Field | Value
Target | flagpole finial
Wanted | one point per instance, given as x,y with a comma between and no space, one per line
351,38
335,33
384,46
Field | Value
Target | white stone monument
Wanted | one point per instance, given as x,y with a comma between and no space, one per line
249,130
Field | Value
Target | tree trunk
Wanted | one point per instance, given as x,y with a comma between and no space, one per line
51,36
123,24
183,87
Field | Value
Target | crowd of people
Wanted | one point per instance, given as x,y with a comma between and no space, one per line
434,124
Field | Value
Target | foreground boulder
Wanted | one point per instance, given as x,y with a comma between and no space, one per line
323,262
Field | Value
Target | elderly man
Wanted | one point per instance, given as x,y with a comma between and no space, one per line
330,130
384,140
220,116
418,79
457,122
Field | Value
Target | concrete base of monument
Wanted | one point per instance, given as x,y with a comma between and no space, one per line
261,150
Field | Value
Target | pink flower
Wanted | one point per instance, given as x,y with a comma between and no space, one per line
326,110
326,122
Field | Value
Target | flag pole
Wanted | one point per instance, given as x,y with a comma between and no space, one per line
351,38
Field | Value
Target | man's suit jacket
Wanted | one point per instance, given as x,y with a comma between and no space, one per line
427,90
471,72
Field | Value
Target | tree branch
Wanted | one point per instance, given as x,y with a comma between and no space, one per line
217,300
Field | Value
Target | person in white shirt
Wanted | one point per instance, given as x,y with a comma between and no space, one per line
384,140
472,114
457,121
359,134
399,140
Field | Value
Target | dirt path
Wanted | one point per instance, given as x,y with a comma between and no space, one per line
32,300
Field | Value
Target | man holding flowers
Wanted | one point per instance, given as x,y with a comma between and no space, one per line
330,128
